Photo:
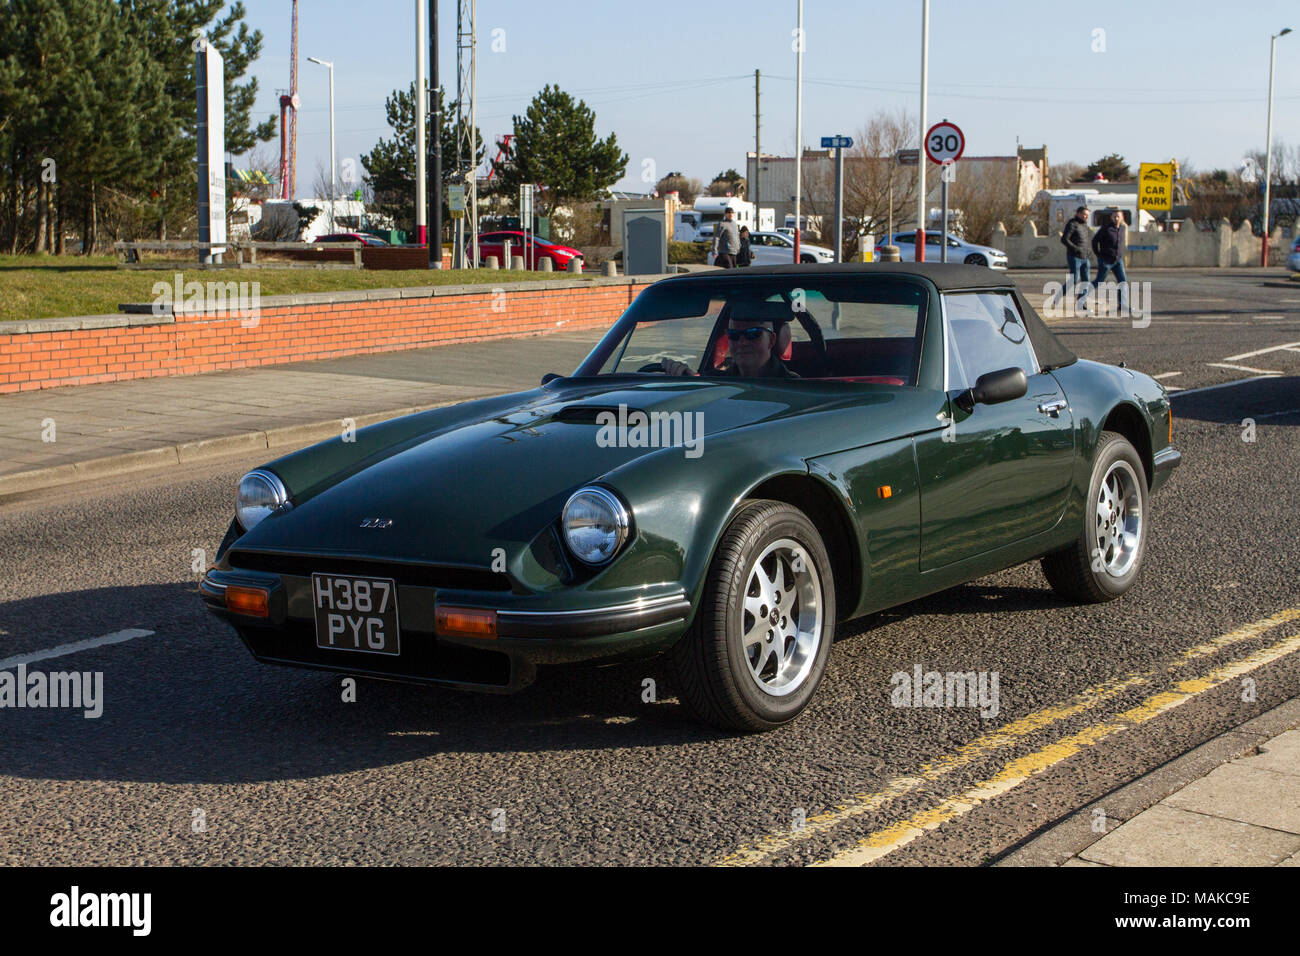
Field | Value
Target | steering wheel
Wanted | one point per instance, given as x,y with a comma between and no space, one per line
652,367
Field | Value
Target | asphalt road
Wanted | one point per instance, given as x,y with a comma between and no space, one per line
277,768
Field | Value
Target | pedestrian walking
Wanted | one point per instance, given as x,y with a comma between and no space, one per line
745,256
1108,244
1076,237
726,241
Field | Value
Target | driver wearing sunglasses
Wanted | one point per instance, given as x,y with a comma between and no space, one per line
754,349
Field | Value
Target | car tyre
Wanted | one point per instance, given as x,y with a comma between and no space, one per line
1107,558
757,648
808,260
975,259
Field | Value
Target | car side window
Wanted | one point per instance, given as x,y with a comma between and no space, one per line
985,334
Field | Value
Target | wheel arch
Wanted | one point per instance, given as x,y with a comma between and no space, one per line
1127,420
828,515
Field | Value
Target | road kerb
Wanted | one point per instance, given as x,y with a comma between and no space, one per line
38,479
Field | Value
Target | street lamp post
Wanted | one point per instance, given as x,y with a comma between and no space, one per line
798,134
921,210
329,65
1268,143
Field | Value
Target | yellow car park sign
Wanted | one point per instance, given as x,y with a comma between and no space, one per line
1156,186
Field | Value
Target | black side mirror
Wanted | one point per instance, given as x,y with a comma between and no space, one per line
992,388
550,377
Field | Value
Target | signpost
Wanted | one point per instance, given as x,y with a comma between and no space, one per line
1156,188
526,221
948,175
839,144
944,143
456,206
209,76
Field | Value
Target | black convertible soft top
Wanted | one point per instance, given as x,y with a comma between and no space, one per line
947,277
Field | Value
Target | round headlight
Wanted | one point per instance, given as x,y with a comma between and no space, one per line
595,525
260,492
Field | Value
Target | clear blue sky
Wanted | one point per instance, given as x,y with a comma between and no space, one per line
674,79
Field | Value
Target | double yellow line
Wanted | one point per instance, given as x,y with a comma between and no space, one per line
1015,772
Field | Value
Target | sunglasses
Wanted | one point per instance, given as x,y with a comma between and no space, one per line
750,334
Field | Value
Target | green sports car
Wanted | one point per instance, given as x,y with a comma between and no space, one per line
744,459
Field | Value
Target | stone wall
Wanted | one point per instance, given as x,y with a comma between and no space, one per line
1220,247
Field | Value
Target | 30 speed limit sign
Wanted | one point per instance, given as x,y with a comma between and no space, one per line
944,143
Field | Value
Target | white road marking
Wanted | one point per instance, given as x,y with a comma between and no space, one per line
1238,381
1292,348
1244,368
1166,374
1289,301
1246,355
117,637
1174,388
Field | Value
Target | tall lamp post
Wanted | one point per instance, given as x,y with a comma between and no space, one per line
1268,143
921,209
329,65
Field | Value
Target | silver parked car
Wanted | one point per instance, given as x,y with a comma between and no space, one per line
959,250
777,249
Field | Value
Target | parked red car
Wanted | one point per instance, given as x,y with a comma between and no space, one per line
494,244
360,237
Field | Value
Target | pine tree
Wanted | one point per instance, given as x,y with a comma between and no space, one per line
390,166
555,146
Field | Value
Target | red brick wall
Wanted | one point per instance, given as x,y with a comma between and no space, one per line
298,333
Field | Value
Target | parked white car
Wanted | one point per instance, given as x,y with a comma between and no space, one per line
777,249
959,250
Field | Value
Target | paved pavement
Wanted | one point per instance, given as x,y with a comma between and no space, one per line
1133,708
60,435
1243,812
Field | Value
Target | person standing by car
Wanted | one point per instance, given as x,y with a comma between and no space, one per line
745,256
1076,238
1108,244
726,241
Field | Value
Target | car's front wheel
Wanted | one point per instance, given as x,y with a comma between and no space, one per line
762,634
1107,557
975,259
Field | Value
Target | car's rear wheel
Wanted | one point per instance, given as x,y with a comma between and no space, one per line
975,259
1107,557
758,646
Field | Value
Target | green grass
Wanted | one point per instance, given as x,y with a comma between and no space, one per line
44,287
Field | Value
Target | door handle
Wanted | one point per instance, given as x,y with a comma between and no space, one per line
1053,407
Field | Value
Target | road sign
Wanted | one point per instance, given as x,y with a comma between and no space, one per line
837,142
943,142
1156,186
908,157
456,198
949,172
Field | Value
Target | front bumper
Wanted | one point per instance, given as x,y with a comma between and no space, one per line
528,632
1163,465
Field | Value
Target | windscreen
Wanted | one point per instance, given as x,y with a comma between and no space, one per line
790,327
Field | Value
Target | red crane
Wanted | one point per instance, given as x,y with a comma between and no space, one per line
289,104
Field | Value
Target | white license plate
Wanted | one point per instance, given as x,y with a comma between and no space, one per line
356,614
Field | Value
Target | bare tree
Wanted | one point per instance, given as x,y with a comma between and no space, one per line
876,189
986,194
1062,174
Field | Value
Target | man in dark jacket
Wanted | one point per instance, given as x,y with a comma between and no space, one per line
1108,244
1075,237
726,241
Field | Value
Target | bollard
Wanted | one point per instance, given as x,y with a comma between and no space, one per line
610,269
575,265
491,263
546,264
890,254
517,262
